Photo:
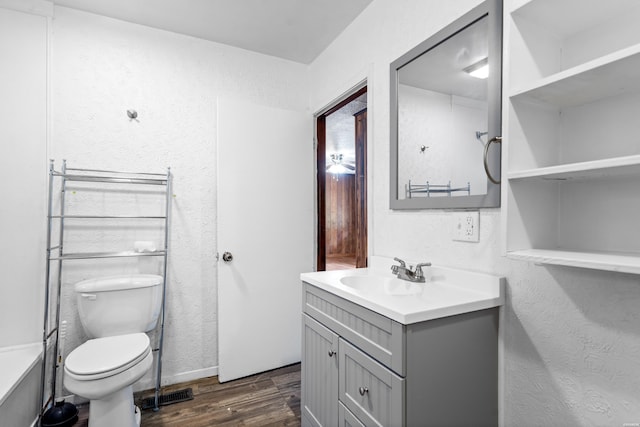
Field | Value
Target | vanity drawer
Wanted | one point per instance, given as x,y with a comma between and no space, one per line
376,335
373,393
346,418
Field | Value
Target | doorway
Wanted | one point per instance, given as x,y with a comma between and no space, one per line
342,183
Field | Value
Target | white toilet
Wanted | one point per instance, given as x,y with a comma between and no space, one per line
115,312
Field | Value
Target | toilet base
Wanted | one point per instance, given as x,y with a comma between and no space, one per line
115,409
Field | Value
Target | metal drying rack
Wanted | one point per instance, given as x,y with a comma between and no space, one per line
430,189
56,253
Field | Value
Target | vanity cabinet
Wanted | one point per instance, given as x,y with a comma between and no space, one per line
360,368
320,345
571,108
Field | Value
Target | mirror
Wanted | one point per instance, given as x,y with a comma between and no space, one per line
445,116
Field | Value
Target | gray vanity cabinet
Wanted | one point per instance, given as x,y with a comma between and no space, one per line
346,418
373,393
320,347
360,368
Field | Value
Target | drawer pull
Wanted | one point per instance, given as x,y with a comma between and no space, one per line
363,391
331,353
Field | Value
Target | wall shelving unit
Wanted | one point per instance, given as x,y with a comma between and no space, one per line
571,120
57,255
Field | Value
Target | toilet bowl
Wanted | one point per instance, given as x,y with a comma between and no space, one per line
115,312
103,370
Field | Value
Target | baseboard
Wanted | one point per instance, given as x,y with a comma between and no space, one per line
149,383
190,376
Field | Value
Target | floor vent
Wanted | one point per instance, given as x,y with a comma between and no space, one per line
167,399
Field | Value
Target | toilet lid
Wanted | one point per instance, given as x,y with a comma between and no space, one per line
108,356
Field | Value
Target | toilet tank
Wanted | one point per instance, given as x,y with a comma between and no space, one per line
117,305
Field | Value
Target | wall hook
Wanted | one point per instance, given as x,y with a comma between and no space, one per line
423,148
132,114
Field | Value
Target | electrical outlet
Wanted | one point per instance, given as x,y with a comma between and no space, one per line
466,226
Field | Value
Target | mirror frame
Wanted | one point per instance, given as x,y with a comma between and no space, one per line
492,9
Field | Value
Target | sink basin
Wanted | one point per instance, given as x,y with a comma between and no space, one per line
371,284
447,291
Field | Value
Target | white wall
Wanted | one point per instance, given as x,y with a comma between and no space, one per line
572,347
23,174
100,68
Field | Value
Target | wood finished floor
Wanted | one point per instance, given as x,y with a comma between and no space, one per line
267,399
337,262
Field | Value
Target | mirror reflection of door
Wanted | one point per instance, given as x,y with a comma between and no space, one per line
345,213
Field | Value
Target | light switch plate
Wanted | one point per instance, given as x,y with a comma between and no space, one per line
466,226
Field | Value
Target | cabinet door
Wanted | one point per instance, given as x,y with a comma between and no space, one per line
319,392
347,419
373,393
373,333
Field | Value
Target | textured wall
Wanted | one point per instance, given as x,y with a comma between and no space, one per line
572,348
102,67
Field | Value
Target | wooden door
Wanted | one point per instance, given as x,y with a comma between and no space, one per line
340,218
361,189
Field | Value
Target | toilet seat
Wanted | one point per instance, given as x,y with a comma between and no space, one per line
104,357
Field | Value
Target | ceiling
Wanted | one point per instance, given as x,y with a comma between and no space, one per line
297,30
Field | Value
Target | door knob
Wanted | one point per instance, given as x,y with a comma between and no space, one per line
227,257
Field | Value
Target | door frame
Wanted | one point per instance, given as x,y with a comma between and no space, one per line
321,175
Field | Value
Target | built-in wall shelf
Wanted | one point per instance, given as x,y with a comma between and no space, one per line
624,263
568,17
571,133
606,76
628,165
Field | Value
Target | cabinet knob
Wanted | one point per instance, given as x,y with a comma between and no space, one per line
363,391
331,353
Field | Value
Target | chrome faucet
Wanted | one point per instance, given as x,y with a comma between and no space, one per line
405,273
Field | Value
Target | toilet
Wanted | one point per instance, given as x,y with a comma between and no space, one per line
115,313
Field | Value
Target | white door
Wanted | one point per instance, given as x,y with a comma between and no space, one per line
265,221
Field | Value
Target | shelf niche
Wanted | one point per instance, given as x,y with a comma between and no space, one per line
572,132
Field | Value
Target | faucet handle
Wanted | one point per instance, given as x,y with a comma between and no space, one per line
402,263
418,270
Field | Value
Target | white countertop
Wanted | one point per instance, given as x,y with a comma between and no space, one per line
446,292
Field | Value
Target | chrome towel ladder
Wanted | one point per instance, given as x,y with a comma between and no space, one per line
56,254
